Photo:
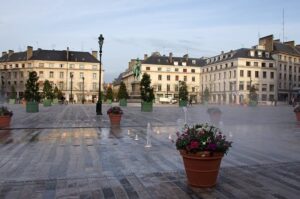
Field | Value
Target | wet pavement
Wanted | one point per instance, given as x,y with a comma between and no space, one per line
69,152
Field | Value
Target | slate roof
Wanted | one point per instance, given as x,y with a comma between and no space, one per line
164,60
118,80
284,48
51,55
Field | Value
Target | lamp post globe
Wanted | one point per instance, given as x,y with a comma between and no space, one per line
99,102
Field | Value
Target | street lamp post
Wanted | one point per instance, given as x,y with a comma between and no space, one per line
83,90
71,97
99,103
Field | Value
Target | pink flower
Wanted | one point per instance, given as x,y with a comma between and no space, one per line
194,145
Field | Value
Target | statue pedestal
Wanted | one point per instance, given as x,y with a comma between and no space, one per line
135,95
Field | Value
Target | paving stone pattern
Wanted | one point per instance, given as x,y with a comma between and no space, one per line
69,152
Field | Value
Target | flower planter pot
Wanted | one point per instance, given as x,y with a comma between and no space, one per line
146,106
12,101
201,168
182,103
253,103
298,116
32,107
123,102
115,119
47,102
5,121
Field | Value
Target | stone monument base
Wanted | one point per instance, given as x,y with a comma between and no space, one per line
135,95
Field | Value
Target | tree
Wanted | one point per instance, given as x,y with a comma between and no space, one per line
183,92
55,92
253,95
206,95
122,94
32,88
48,90
109,94
147,94
13,94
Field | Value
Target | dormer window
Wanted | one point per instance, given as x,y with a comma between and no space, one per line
252,53
259,54
193,61
176,63
184,63
268,55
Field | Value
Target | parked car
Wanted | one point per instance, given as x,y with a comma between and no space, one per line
167,100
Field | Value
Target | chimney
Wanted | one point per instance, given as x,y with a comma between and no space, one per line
29,52
222,52
145,56
186,56
171,57
290,43
95,54
4,53
267,41
10,52
68,53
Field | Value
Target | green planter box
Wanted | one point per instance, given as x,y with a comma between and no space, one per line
182,103
55,101
12,101
253,103
123,102
109,101
147,106
47,102
32,107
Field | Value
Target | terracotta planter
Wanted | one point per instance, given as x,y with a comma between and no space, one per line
201,168
5,121
115,119
298,116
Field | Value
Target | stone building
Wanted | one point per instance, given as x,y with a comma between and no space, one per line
55,66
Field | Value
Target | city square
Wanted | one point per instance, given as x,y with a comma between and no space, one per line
67,151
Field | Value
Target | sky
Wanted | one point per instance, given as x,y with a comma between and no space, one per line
132,28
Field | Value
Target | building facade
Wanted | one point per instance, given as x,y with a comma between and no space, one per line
70,71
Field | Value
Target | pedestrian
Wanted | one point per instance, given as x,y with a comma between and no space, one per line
190,102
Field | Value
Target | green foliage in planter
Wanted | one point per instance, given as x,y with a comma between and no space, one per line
206,95
13,93
32,88
253,95
57,93
147,94
122,94
48,90
183,92
109,94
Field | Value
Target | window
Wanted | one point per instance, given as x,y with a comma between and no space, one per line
94,75
241,73
168,87
193,70
41,65
51,65
231,64
176,69
72,66
255,63
248,63
81,66
193,79
81,75
51,74
224,75
94,67
264,74
159,87
241,86
15,75
271,97
159,68
256,74
264,87
234,74
176,87
61,65
271,87
263,97
184,70
193,89
41,74
60,85
272,75
168,77
185,78
280,76
21,74
17,65
193,61
271,65
159,77
219,76
263,64
248,73
147,68
61,74
23,65
94,86
176,77
168,69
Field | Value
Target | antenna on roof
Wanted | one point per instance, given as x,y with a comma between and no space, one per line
282,25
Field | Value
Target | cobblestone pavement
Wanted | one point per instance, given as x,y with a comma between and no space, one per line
69,152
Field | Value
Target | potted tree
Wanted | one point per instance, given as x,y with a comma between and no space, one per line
32,96
5,117
206,96
55,95
202,148
47,93
297,112
147,94
13,95
109,95
253,97
183,94
115,114
122,95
